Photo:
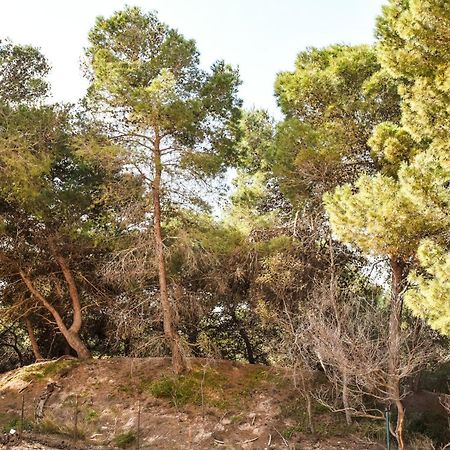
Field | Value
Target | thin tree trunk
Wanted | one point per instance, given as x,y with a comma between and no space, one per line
348,416
71,337
248,345
14,346
178,360
398,268
33,341
309,411
73,290
244,335
306,389
333,294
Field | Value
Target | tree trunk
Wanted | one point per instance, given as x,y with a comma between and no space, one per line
73,290
33,341
306,389
348,416
244,335
248,345
399,273
178,360
71,337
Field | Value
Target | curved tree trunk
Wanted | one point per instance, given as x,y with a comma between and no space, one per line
71,337
399,273
178,360
73,290
244,335
33,341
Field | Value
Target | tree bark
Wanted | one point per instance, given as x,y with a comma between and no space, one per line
33,341
178,360
399,273
71,284
71,337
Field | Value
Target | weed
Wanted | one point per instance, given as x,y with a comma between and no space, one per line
199,386
91,415
124,440
12,421
289,432
49,426
418,441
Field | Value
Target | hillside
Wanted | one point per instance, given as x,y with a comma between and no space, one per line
219,404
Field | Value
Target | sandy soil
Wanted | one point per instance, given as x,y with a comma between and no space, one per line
117,401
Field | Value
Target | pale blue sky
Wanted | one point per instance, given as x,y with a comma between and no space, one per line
262,37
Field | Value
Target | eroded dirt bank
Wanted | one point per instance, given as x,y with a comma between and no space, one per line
124,402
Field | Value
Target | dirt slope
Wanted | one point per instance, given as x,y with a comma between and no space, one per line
123,403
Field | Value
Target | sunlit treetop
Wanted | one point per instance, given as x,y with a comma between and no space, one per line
22,73
331,102
148,76
414,45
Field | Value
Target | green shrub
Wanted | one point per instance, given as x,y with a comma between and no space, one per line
124,440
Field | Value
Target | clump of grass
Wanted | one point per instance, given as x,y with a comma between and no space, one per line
371,429
12,421
125,440
208,387
178,390
49,426
295,408
91,415
419,441
291,431
199,386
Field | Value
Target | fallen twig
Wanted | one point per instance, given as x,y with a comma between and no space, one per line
285,442
250,440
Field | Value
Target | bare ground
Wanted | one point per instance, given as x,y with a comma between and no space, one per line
123,402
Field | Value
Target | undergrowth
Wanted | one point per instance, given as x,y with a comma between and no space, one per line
207,386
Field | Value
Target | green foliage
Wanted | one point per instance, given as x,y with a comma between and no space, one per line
331,102
413,47
429,298
91,415
140,64
425,181
30,139
210,387
257,129
22,73
126,439
375,216
391,146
